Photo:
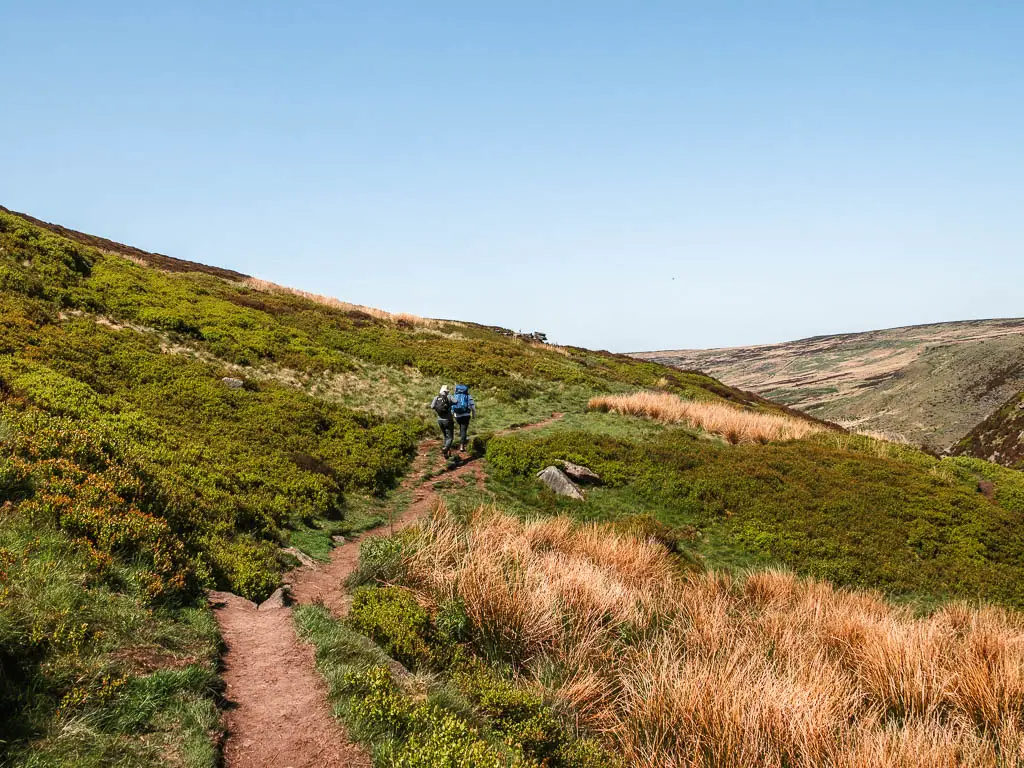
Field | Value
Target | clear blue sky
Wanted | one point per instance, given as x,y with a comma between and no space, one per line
620,175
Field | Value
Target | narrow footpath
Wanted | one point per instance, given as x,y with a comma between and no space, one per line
277,713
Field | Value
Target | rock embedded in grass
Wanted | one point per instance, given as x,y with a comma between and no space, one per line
558,481
580,474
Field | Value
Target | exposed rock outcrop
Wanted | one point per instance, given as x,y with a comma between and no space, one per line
555,479
580,474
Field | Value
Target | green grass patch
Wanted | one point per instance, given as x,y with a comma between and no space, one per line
843,508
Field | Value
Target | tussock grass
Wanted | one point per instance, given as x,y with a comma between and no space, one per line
379,314
706,669
735,424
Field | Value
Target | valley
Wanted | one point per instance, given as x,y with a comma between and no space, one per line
929,384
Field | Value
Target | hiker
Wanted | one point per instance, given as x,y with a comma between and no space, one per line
464,409
442,406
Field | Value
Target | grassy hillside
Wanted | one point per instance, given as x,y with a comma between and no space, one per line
844,508
999,438
929,384
133,478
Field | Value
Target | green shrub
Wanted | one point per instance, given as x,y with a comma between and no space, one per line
415,736
250,566
517,714
442,740
521,718
392,617
377,705
15,479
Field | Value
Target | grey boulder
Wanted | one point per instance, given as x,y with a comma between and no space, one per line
232,383
559,482
580,474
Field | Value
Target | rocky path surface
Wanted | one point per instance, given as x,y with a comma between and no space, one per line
278,715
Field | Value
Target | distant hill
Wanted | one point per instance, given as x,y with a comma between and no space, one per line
930,384
999,438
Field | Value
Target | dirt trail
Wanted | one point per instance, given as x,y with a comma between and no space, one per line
278,715
326,582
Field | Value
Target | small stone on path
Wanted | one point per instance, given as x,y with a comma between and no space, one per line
279,599
301,556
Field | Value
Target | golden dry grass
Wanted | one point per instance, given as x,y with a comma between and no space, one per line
733,423
400,317
549,347
707,670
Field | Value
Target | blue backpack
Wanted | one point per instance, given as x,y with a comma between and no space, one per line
460,405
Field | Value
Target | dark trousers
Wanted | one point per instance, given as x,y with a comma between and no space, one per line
463,422
447,431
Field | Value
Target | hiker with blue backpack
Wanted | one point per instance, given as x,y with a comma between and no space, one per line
464,409
450,410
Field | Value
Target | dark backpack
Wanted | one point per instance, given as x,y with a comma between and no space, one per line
442,406
461,406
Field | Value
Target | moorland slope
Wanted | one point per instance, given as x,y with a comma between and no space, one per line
999,438
134,478
929,384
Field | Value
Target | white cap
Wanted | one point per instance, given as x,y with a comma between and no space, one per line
444,389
